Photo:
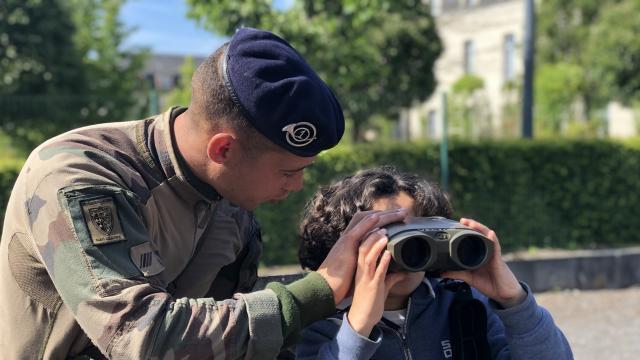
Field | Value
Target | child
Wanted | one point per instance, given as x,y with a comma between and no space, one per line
405,315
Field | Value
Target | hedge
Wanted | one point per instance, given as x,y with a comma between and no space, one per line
9,169
560,194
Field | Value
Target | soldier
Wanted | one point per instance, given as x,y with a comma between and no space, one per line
118,237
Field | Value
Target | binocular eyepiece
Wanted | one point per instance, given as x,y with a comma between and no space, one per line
435,244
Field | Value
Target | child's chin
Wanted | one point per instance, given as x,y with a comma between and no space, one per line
402,290
398,294
407,286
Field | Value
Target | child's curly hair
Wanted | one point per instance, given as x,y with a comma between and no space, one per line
331,208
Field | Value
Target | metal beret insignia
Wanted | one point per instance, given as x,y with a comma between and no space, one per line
300,134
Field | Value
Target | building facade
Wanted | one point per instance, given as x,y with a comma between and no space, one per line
163,70
485,39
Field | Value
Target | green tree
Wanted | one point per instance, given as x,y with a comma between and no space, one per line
469,111
557,88
61,66
564,28
37,57
566,35
181,94
37,53
510,124
113,73
378,55
613,52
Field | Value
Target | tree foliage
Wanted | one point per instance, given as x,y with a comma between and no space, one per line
556,89
112,72
378,55
469,112
565,28
37,54
61,66
613,52
597,36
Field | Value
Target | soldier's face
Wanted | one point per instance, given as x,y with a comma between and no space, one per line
268,177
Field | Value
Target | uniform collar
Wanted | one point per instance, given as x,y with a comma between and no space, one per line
172,162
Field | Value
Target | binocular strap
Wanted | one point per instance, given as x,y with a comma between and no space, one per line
467,324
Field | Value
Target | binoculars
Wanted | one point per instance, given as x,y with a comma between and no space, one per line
435,244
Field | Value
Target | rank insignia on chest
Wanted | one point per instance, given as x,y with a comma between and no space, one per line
101,217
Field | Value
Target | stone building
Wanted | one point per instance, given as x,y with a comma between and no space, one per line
484,38
163,70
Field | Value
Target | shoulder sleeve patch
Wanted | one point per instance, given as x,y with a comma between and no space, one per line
101,217
146,259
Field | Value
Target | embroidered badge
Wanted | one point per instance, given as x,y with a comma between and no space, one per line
300,134
146,259
101,217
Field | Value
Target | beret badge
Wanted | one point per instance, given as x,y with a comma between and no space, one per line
274,88
300,134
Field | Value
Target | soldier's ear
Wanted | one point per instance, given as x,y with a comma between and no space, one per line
220,146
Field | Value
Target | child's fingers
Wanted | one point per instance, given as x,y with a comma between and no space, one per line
482,229
381,270
371,259
475,225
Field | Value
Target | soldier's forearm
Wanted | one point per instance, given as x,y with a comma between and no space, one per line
303,302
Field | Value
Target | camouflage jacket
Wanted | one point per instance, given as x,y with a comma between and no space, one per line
109,240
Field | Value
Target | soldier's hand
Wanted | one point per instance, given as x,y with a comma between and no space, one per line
339,266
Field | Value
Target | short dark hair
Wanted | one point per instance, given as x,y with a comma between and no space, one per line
331,208
211,103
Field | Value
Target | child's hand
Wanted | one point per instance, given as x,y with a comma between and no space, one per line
495,280
371,283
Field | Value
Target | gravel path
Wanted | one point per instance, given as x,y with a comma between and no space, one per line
599,324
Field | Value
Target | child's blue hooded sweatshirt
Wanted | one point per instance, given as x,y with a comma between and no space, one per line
526,331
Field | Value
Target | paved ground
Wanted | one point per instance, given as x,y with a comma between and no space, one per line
599,324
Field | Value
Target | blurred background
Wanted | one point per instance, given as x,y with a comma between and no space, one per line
525,111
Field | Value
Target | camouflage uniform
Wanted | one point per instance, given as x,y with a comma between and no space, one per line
109,240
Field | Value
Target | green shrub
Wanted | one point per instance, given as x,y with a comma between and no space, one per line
9,169
561,194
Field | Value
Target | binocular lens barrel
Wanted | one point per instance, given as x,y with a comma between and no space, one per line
436,244
417,251
471,251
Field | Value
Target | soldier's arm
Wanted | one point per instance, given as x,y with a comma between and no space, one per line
94,243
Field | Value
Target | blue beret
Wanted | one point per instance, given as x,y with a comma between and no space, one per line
280,94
